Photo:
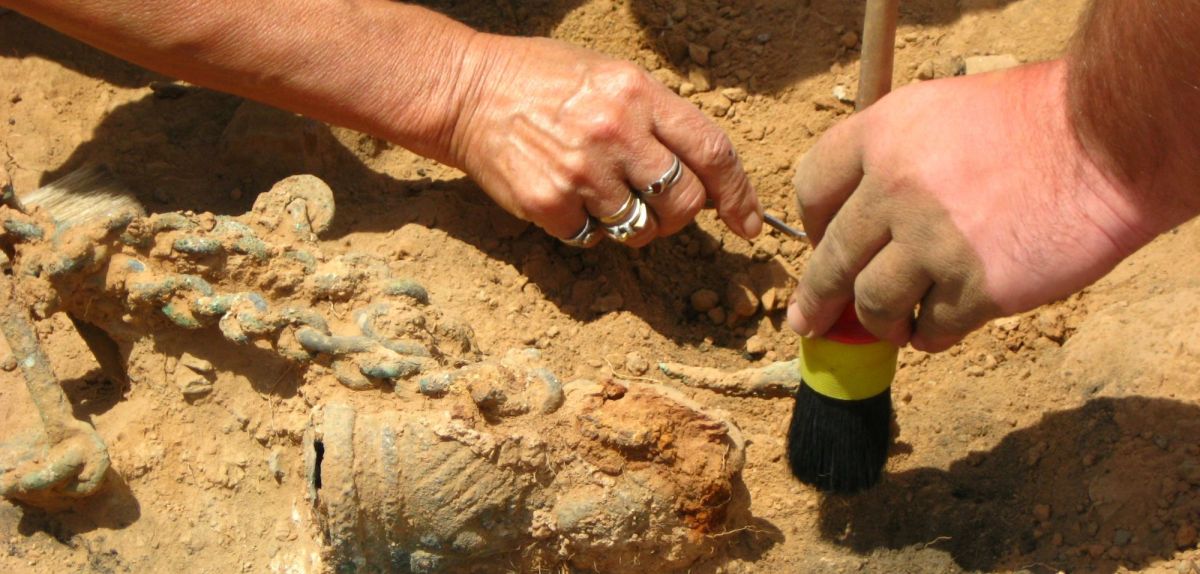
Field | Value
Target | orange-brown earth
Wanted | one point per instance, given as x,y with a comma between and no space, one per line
1065,439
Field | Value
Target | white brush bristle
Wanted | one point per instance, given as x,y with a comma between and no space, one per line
85,195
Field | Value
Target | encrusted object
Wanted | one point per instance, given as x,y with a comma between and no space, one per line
602,476
482,458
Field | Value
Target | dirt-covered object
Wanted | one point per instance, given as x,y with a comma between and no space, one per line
483,459
511,466
258,278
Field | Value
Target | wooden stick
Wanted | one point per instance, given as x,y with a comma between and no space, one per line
878,51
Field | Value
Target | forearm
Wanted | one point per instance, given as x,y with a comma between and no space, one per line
1134,92
392,70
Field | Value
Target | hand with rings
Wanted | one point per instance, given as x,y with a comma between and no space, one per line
586,146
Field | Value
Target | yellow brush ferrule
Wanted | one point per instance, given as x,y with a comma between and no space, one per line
848,372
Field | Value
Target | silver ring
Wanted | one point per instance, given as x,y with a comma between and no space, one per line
587,237
622,213
634,223
668,179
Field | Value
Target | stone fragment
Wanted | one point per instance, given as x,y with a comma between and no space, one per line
698,77
926,70
1041,512
715,104
740,297
735,94
1122,537
716,39
668,78
636,364
1185,537
699,53
704,299
196,364
984,64
755,346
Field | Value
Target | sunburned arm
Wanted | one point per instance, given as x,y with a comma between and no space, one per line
1134,90
389,69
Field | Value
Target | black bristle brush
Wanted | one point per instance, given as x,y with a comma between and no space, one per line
840,432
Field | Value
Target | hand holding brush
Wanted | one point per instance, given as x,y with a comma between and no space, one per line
841,421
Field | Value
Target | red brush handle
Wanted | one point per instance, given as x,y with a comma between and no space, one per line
847,329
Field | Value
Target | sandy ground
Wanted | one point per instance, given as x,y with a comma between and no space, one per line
1065,439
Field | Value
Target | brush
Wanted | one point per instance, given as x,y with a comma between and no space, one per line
87,194
840,431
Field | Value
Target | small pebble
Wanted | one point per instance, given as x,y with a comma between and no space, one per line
1122,537
984,64
735,94
756,346
1185,537
740,297
637,364
716,315
704,300
699,78
926,71
1041,512
849,39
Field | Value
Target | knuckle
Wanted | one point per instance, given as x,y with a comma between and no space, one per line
873,301
606,124
625,82
576,169
717,152
543,204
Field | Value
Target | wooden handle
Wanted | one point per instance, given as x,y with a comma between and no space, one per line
878,51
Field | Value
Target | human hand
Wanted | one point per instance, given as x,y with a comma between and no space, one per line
969,197
554,133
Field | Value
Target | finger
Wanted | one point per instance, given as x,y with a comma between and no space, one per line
709,154
853,238
677,205
887,292
828,174
561,215
945,317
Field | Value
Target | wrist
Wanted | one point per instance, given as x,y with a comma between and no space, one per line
422,115
487,62
1117,210
1131,112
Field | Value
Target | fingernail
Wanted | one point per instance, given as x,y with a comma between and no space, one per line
752,225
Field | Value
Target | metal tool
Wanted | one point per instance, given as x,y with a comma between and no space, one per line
783,227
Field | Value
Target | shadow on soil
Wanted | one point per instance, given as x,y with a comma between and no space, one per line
762,46
113,508
189,151
1098,469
